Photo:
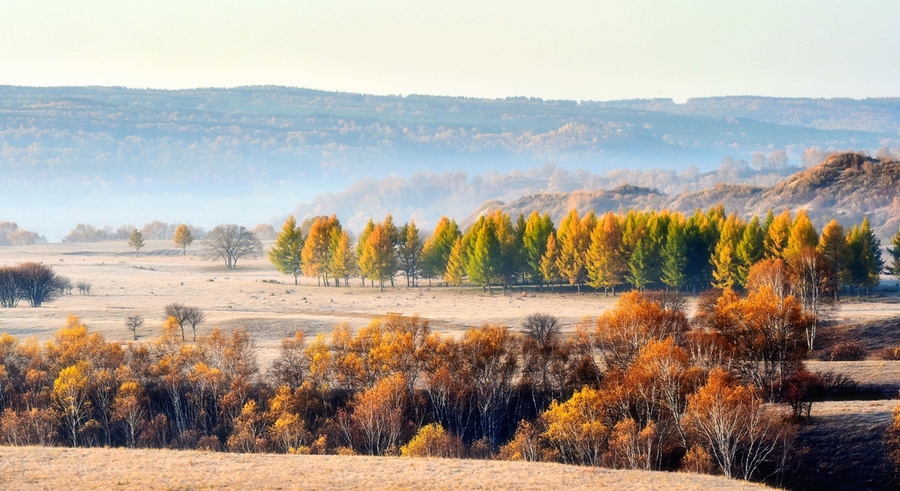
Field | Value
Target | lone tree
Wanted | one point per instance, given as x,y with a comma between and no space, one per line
183,238
136,240
134,322
38,283
231,242
185,315
287,251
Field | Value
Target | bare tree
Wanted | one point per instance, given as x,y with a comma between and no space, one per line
9,286
231,242
84,287
185,315
134,322
180,313
38,283
194,316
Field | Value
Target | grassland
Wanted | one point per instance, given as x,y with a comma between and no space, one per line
101,469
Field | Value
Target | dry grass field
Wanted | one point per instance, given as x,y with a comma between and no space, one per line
101,469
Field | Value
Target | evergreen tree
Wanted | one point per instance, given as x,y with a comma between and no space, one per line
639,265
436,251
534,243
725,260
343,257
803,234
778,234
317,248
675,257
606,263
510,247
378,259
894,267
136,240
361,247
409,252
750,249
286,253
550,261
456,268
866,263
483,262
836,254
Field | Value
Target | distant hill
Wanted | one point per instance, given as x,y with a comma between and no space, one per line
845,186
250,154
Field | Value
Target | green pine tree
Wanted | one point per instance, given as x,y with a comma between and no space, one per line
286,252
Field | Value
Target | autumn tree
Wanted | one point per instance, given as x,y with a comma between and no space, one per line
836,254
576,429
183,238
537,230
606,264
231,243
483,258
803,234
378,415
810,283
750,249
573,239
378,260
550,260
734,425
70,397
726,264
136,240
343,258
456,268
778,235
130,409
436,250
317,250
286,252
292,364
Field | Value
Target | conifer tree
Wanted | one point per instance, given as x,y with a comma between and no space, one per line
725,259
378,259
534,241
750,249
456,268
287,251
639,265
866,263
343,258
316,253
778,234
606,263
550,261
894,267
361,247
183,238
573,240
675,257
803,234
836,254
436,251
483,261
409,252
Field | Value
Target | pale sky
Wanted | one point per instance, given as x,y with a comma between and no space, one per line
584,50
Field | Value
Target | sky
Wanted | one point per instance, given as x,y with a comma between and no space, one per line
570,49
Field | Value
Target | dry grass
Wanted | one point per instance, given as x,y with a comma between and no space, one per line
95,469
844,448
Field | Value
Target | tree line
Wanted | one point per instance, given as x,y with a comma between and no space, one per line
642,386
653,249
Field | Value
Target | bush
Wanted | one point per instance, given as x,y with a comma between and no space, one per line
847,351
432,441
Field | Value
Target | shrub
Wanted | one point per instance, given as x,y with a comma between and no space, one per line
847,351
432,441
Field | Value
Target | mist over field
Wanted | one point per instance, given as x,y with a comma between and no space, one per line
111,156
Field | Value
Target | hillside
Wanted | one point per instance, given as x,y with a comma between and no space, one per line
845,186
250,154
103,468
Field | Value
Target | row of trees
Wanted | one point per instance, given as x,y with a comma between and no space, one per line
640,387
641,249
